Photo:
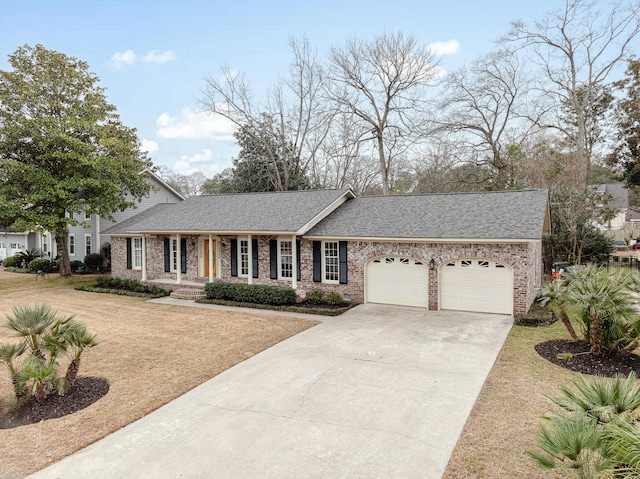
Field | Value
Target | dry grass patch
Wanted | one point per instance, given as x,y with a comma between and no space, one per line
150,354
504,421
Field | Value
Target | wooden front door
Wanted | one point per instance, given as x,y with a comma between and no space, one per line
206,257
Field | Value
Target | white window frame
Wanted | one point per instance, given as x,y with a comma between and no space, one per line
87,215
88,246
282,257
325,263
72,244
137,253
175,261
243,257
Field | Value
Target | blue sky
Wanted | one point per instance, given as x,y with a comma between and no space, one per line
152,56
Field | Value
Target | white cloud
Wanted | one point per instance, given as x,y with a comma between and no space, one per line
444,48
119,59
203,160
149,146
191,124
155,56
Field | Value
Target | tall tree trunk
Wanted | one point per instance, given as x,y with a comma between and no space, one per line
384,170
63,251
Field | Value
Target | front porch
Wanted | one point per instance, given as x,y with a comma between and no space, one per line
183,289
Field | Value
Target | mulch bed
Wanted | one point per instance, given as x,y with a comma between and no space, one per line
84,392
584,362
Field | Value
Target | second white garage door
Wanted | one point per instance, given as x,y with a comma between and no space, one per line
397,280
476,285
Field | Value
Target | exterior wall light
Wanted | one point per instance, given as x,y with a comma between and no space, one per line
432,265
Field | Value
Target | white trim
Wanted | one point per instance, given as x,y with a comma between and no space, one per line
71,236
88,236
323,263
135,266
293,268
423,240
144,258
239,256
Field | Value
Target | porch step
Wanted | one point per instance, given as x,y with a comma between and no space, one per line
188,293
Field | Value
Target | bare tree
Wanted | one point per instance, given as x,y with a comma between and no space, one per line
381,85
295,110
577,48
483,106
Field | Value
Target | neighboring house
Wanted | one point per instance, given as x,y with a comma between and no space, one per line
471,251
13,242
87,238
616,196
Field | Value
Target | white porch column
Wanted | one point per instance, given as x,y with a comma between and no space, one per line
249,261
144,258
210,258
294,260
178,260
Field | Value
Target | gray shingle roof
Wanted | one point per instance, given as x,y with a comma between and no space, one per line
250,212
496,215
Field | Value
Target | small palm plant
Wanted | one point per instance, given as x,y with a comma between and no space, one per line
552,295
44,336
590,429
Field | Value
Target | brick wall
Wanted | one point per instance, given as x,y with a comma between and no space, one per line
525,259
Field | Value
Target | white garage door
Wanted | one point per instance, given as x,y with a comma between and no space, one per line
397,280
476,285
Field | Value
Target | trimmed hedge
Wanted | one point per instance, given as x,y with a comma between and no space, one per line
251,293
40,264
133,285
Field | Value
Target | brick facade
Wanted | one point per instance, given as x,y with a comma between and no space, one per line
525,259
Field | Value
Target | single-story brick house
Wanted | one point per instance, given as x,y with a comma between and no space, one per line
471,251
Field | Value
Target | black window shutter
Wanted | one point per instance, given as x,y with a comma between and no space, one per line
273,258
234,257
129,265
317,261
167,255
344,272
298,265
183,255
254,255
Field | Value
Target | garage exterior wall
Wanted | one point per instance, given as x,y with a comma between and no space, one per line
524,258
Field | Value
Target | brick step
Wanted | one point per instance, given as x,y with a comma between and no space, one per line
188,293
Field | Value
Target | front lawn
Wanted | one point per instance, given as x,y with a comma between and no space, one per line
504,421
149,354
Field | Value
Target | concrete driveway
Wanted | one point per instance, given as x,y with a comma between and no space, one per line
380,391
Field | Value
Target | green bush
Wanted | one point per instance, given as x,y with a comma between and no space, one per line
315,296
334,298
133,285
93,261
251,293
12,262
39,265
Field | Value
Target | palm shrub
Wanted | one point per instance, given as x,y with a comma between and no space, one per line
44,337
592,429
29,255
600,301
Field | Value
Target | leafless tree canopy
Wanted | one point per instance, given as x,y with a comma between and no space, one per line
380,85
576,48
